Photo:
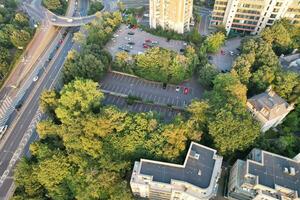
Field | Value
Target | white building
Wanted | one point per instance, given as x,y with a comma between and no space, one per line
171,14
265,176
252,16
268,108
196,179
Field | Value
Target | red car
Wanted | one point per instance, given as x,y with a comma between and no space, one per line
145,46
148,40
186,91
222,52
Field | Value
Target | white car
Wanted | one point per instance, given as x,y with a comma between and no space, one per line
35,78
53,19
3,129
70,20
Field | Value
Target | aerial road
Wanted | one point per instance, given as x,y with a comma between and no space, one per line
21,131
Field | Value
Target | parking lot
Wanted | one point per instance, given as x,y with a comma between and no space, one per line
122,38
165,113
223,60
152,91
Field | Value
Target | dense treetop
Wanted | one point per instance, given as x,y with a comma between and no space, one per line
15,34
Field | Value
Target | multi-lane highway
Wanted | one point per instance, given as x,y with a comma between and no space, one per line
22,128
21,131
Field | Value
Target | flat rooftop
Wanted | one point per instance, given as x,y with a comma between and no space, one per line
188,172
270,170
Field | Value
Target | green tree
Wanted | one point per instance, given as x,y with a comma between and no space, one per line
52,4
78,97
232,129
207,74
285,82
20,38
214,42
21,19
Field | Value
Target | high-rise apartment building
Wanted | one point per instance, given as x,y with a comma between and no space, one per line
171,14
196,179
252,16
265,176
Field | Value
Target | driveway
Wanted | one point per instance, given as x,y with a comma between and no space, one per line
122,38
224,62
151,91
166,113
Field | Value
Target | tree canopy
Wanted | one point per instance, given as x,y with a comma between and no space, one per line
86,149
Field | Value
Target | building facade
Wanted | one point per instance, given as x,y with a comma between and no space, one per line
196,179
268,108
265,176
171,14
252,16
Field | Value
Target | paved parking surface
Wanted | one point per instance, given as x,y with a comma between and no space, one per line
139,38
164,112
151,91
224,62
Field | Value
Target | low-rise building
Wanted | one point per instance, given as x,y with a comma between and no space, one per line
268,108
265,176
291,62
196,179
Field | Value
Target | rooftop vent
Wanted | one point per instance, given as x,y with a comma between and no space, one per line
199,172
194,155
292,171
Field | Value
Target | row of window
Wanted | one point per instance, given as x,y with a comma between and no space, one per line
247,16
250,6
243,27
219,13
248,11
219,8
294,10
221,3
245,22
217,18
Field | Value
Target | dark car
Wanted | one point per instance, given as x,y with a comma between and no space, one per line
127,50
164,86
181,50
130,33
19,106
209,57
131,43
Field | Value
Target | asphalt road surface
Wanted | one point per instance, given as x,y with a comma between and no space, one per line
28,113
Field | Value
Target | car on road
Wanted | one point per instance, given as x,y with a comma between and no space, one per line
231,53
69,20
181,50
130,33
222,52
145,46
210,58
155,42
127,38
177,89
148,40
186,90
53,19
131,43
3,129
35,78
128,46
